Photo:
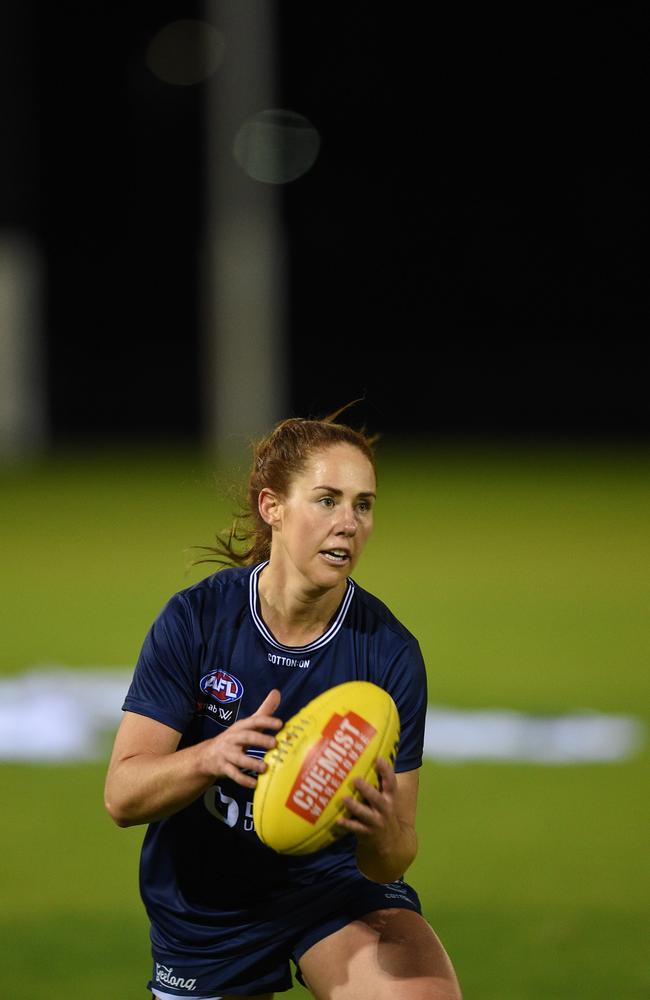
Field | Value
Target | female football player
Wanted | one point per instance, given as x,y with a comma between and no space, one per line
224,665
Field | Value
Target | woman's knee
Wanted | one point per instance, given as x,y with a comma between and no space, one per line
386,955
410,951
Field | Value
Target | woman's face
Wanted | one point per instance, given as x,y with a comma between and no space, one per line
326,519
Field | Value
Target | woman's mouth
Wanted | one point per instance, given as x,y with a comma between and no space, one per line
337,556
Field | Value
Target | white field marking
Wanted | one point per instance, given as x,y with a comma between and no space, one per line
578,737
59,714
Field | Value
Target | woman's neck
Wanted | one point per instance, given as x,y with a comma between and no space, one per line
295,615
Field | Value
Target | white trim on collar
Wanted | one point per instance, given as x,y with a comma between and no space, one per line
310,647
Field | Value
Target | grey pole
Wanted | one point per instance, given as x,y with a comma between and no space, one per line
22,402
243,258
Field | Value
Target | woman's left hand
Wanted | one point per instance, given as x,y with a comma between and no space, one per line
373,819
384,823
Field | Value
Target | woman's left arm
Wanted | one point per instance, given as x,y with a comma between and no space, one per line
384,823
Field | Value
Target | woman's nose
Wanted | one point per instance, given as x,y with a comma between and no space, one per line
347,522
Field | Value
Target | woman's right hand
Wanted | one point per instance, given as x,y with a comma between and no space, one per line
225,755
149,777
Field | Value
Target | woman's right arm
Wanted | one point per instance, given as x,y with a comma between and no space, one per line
149,778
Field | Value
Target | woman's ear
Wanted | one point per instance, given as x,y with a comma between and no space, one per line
269,507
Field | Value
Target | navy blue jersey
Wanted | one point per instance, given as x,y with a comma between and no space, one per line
208,660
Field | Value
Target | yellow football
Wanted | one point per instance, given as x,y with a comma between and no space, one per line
334,739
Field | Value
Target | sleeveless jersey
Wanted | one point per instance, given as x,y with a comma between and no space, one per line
208,660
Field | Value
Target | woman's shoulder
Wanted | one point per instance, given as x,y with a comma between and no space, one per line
372,608
230,584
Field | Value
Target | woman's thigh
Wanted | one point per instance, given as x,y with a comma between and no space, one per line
258,996
386,955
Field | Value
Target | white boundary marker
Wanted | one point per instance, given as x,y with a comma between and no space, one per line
60,714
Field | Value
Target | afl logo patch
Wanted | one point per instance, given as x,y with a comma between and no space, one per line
222,686
226,691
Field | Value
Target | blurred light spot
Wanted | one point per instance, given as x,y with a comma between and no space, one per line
185,52
276,146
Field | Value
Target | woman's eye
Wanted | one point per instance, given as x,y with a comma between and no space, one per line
327,501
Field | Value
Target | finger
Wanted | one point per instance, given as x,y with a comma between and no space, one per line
270,703
373,796
352,824
255,738
359,811
235,774
246,762
347,825
250,763
254,724
248,737
388,781
263,741
264,722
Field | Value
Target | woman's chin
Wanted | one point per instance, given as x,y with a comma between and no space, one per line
330,572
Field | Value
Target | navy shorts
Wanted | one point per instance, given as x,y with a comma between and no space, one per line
264,965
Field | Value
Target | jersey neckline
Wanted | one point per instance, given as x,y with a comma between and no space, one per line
326,637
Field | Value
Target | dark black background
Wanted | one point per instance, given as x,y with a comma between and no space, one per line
469,251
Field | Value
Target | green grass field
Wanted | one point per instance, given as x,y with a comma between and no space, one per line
526,576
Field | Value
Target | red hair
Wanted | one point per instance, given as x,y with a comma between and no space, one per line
277,460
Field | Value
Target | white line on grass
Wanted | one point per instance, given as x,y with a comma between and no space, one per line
58,714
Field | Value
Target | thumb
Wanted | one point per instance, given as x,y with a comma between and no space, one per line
270,703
